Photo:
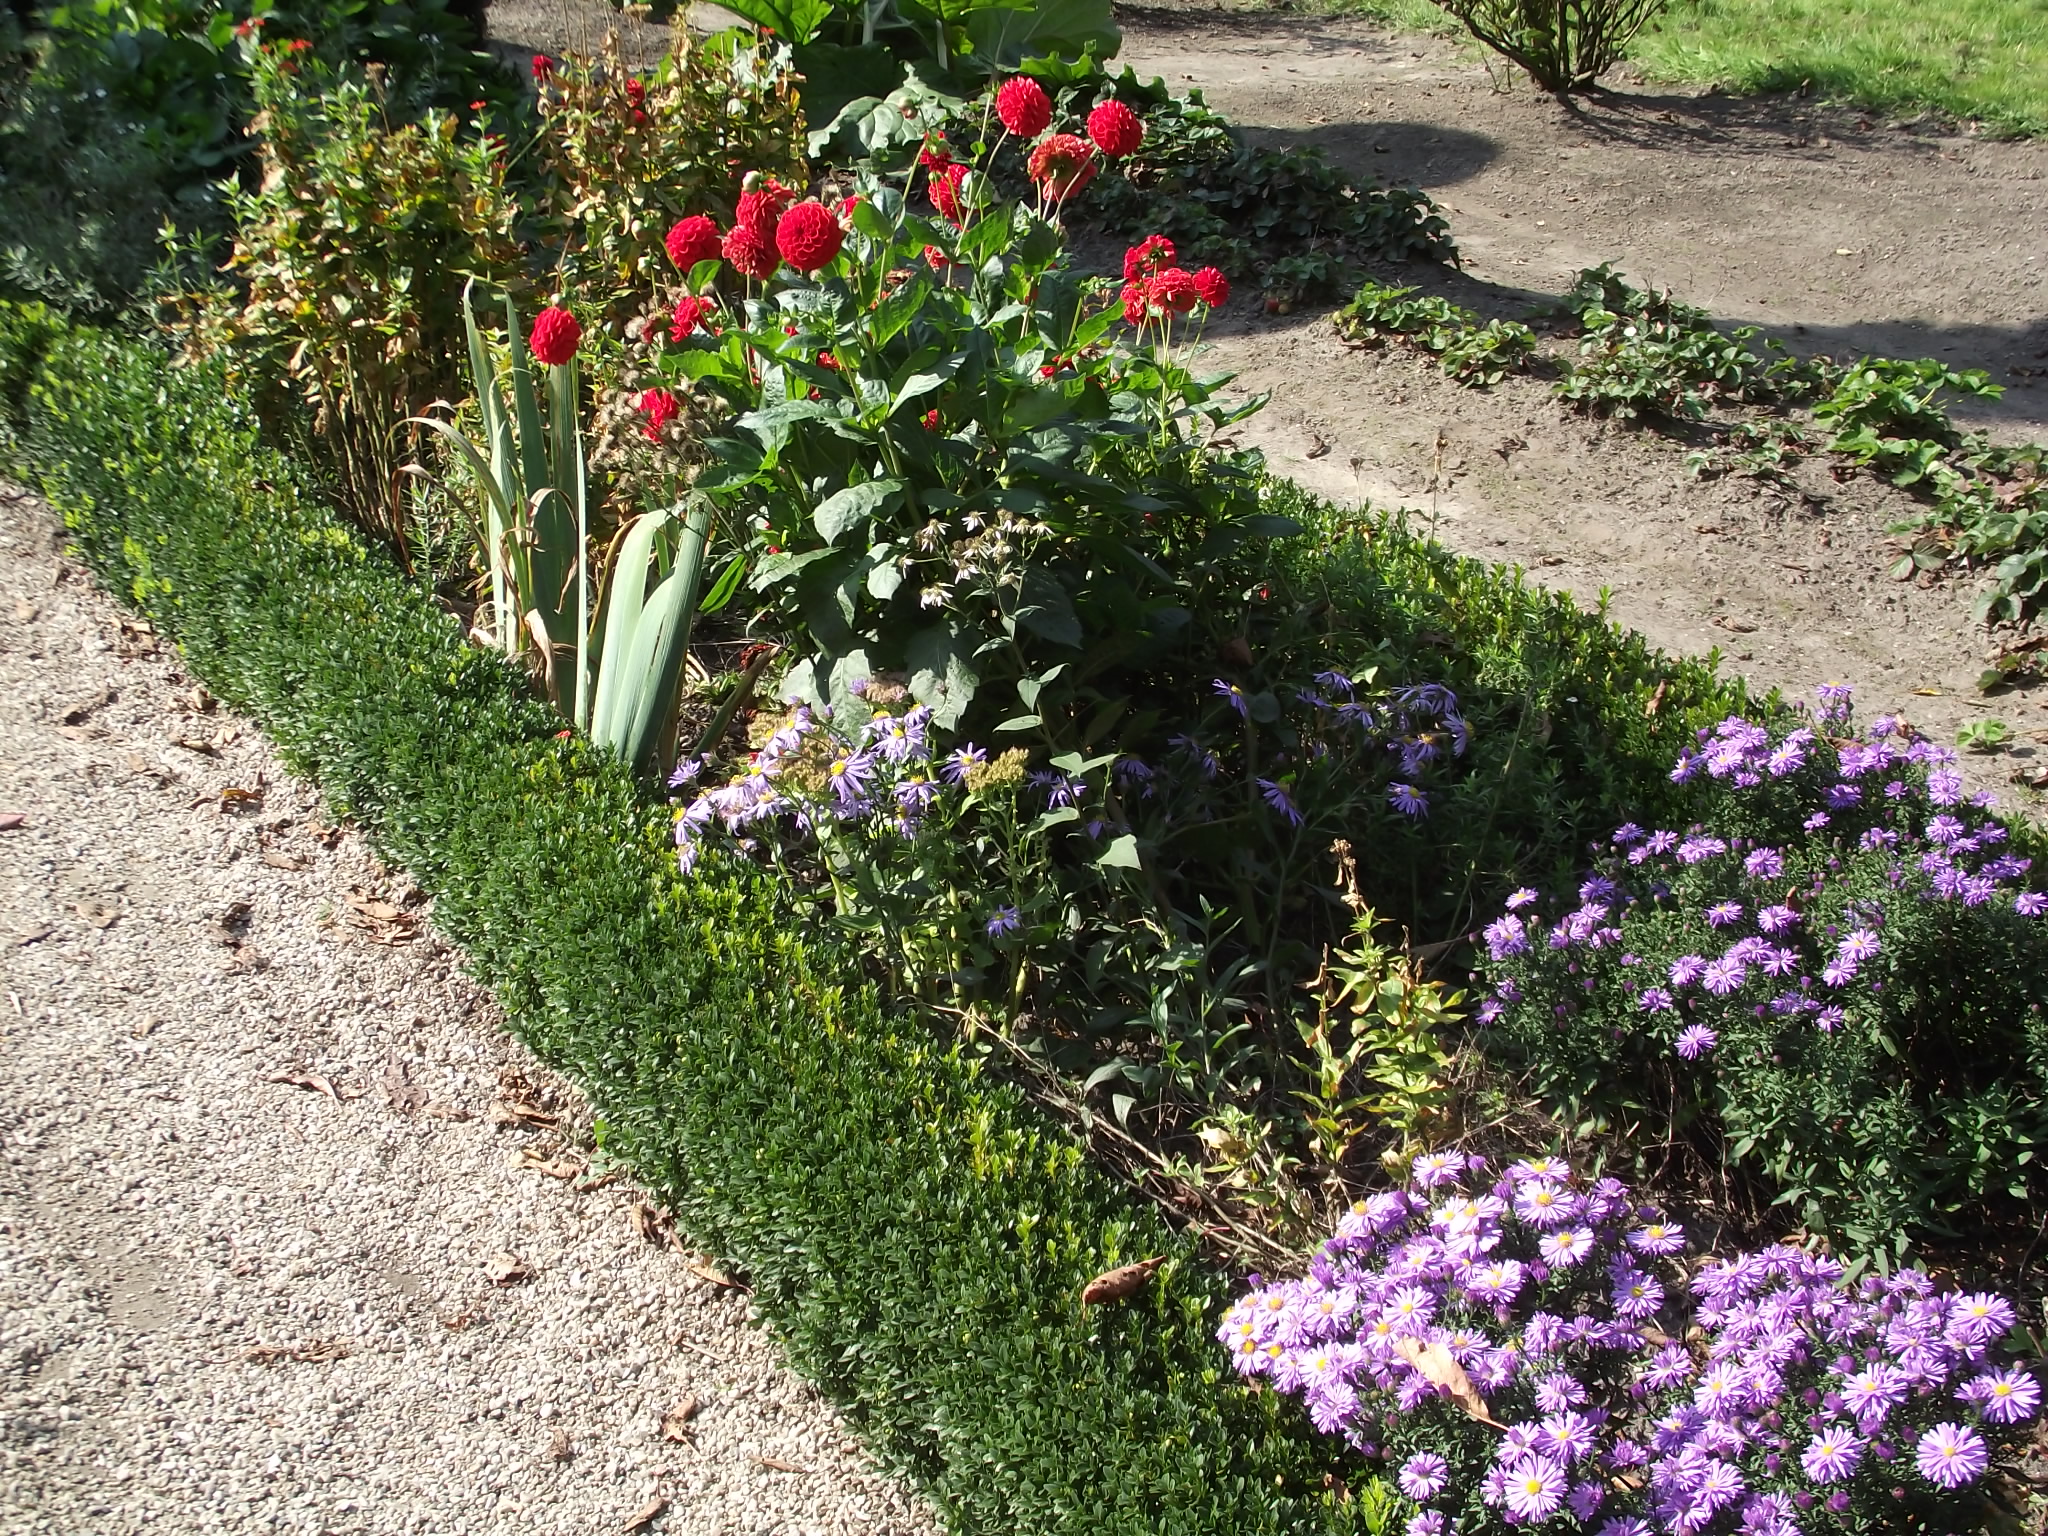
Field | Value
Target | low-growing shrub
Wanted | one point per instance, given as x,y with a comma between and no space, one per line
1530,1350
1832,982
1563,47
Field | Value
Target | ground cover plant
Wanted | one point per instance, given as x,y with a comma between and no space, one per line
1648,358
1528,1348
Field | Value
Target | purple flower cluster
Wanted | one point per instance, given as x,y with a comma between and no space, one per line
1530,1349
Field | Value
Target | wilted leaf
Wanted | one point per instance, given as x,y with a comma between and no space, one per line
1116,1284
675,1424
194,744
518,1112
9,820
311,1353
559,1448
405,1096
506,1269
1655,701
779,1465
316,1083
566,1166
374,907
703,1269
646,1514
98,913
234,794
77,713
436,1110
1436,1366
277,860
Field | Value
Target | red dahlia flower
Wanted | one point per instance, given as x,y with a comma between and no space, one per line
1173,289
660,408
750,250
1147,257
762,204
1061,166
692,240
543,67
809,237
1134,302
945,188
555,335
1023,107
1213,286
1115,129
691,313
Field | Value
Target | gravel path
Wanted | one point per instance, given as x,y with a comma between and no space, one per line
292,1236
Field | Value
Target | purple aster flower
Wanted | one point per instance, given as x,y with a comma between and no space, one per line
963,757
1505,936
1563,1250
1722,913
1625,834
1407,799
1944,786
1834,702
2030,903
1697,850
1777,919
1764,864
1004,922
1636,1295
686,772
1429,1523
1277,797
849,775
1544,1205
1878,837
1873,1392
1625,1527
1816,821
1950,1456
1433,1170
2004,1396
1565,1437
1235,696
1832,1454
1597,889
1585,1500
1522,898
1424,1476
1980,1317
1655,1000
1687,969
916,793
1859,946
1335,681
1658,1237
1725,975
1535,1489
1557,1392
1696,1041
1828,1020
1670,1366
1789,757
1719,1487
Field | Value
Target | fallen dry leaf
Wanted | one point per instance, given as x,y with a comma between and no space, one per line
559,1448
565,1166
227,735
519,1112
648,1223
199,701
311,1353
234,794
646,1514
374,907
24,610
436,1110
400,1092
36,934
506,1269
675,1424
98,913
315,1082
704,1270
9,820
1656,701
1436,1366
194,744
776,1463
1734,626
325,836
1116,1284
83,709
277,860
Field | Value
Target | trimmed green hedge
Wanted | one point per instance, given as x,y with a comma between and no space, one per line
916,1234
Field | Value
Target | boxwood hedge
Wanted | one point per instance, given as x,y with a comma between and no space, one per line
916,1234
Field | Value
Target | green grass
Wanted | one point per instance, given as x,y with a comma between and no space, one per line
1978,60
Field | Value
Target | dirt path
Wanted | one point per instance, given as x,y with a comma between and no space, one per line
1740,207
292,1236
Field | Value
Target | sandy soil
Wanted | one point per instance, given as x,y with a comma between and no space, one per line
1838,233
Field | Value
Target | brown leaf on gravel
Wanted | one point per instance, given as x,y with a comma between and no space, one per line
776,1463
1116,1284
506,1112
194,744
1734,626
405,1096
646,1514
1436,1366
199,701
325,836
24,610
559,1448
506,1269
233,795
565,1166
276,860
374,908
436,1110
36,935
312,1353
79,732
9,820
1656,701
703,1269
649,1225
227,735
79,712
675,1424
315,1082
98,913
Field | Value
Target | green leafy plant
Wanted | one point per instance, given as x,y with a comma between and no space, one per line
1645,352
1888,415
348,265
1563,47
1468,351
1983,735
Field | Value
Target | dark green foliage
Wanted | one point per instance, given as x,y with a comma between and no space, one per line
916,1234
1468,352
125,113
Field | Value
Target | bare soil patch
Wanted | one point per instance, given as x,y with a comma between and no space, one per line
1744,207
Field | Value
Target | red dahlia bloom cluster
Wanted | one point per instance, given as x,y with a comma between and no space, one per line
692,240
1213,286
554,336
944,187
809,237
1023,107
691,315
1154,287
1149,256
1115,128
1061,165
